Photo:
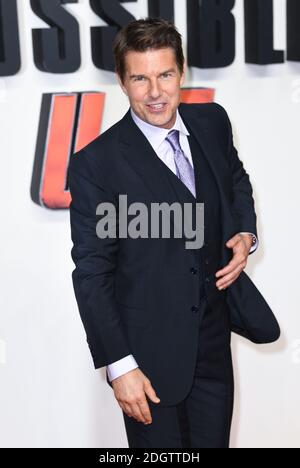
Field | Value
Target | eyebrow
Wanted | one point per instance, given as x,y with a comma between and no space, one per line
171,70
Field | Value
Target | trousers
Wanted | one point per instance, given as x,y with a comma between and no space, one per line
203,418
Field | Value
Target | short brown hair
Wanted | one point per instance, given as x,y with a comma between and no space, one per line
143,34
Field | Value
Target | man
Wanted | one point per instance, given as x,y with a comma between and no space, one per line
157,314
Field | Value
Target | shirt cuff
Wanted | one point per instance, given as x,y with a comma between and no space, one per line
118,368
254,246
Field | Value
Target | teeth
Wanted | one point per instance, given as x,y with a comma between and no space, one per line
157,106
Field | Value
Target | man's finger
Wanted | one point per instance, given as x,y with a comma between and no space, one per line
226,285
232,265
145,410
233,241
150,392
127,409
136,412
229,277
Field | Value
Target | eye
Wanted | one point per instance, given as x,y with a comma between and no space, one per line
166,75
139,78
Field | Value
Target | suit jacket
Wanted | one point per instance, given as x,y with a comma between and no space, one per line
123,286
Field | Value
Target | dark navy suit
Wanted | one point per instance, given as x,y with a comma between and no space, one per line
154,298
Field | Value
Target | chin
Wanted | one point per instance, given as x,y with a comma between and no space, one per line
160,119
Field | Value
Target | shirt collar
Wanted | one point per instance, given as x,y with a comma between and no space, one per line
156,135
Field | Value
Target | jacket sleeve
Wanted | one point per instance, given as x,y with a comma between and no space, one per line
243,205
95,262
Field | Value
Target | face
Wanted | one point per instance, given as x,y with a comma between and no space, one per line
152,83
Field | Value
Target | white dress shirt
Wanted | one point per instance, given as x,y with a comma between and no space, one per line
157,138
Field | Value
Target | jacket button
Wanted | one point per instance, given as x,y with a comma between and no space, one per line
195,309
206,261
207,279
194,271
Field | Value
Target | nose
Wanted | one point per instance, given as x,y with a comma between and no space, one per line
155,90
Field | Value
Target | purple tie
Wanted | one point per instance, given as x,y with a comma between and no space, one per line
184,170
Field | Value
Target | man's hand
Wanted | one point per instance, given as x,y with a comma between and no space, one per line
130,390
241,246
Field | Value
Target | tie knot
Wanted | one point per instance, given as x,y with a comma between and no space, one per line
173,139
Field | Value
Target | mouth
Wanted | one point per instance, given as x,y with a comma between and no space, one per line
157,108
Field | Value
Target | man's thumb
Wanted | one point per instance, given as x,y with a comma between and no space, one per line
150,392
